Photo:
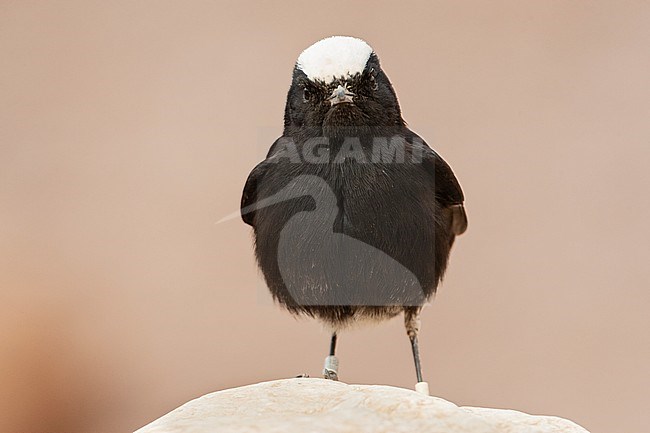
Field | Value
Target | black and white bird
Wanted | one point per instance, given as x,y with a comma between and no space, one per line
354,215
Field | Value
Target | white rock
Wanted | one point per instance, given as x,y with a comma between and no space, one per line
318,405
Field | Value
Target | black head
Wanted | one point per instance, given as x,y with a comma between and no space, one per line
339,88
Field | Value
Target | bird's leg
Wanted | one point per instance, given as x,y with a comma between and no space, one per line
331,369
412,324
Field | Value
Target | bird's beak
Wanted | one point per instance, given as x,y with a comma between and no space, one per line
341,94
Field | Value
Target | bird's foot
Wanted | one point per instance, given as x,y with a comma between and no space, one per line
304,375
331,369
330,374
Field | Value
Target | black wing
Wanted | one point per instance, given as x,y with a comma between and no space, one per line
448,191
249,196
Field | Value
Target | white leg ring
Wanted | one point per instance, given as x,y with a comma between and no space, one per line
422,388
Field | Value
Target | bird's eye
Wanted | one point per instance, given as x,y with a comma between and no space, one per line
306,95
373,83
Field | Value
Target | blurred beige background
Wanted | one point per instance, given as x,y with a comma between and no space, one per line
128,129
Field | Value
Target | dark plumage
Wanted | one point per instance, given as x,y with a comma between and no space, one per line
345,229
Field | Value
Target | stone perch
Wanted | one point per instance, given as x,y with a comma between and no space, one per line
318,405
